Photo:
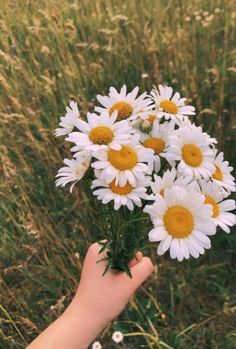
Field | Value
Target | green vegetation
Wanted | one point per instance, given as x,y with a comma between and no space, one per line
51,51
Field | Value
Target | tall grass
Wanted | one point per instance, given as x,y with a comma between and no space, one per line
51,51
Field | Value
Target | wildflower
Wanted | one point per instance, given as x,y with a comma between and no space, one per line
170,106
96,345
125,165
69,120
117,337
190,147
127,105
182,222
126,195
222,175
74,171
100,132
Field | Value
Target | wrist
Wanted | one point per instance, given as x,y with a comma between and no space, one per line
85,320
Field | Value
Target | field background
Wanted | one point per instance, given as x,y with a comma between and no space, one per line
51,51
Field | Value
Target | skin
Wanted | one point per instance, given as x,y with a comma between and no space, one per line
98,301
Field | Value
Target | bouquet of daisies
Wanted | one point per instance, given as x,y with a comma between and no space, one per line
156,174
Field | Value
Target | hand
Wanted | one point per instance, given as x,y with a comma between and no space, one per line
107,295
98,300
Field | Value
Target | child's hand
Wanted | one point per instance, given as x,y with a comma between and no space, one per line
107,295
98,300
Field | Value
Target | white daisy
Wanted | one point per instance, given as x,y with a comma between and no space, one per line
117,337
100,132
127,105
122,196
181,223
74,171
69,120
150,115
187,123
158,140
221,175
96,345
170,106
124,165
168,180
190,147
220,208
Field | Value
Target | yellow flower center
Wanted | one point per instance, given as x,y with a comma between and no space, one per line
162,192
169,106
210,201
157,144
101,135
126,189
124,159
152,118
218,175
192,155
124,110
178,221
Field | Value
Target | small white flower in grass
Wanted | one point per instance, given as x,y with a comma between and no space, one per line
69,120
74,171
222,175
125,165
122,196
117,337
128,106
100,132
158,140
220,207
96,345
182,222
190,147
168,180
170,106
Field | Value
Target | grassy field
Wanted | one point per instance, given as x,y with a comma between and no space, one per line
51,51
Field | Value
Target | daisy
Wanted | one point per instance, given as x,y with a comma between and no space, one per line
117,337
100,132
170,106
168,180
221,175
187,123
74,171
69,120
96,345
124,165
150,115
144,123
157,140
181,223
220,208
190,147
127,105
122,196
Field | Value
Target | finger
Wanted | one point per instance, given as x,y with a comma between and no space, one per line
141,271
93,255
138,257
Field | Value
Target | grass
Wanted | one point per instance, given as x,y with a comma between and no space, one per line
51,51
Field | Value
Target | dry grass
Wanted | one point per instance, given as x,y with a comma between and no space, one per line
51,51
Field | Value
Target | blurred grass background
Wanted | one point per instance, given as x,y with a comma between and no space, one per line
51,51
